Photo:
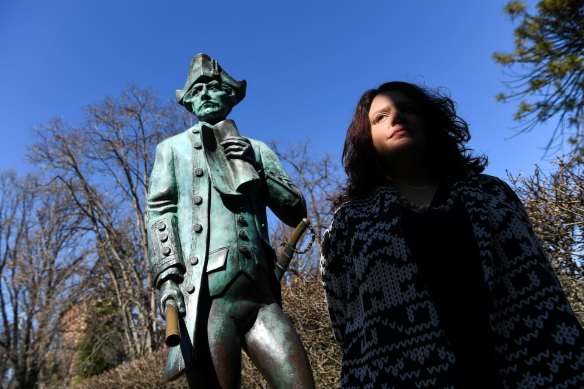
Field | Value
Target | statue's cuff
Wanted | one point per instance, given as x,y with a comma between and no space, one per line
165,246
172,273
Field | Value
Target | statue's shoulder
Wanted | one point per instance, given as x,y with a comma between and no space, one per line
262,148
258,144
175,140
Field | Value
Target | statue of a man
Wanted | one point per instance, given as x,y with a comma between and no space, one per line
208,238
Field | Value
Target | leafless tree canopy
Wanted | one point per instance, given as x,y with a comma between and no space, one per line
42,258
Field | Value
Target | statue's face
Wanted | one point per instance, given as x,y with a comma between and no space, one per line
210,102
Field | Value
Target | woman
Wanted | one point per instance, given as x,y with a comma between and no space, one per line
433,275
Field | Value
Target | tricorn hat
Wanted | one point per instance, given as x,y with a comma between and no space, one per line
203,66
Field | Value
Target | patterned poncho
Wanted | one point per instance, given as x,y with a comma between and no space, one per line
387,325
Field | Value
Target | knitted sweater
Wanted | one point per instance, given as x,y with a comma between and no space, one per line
384,319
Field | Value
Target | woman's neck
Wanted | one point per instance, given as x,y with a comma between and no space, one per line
412,179
409,166
410,174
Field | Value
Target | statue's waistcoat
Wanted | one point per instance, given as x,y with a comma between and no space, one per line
222,234
229,231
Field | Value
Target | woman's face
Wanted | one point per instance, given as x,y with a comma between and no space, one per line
395,125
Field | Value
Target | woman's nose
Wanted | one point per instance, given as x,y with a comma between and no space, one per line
397,118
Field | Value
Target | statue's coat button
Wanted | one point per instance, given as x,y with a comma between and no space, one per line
166,251
190,288
242,235
198,145
241,220
198,227
163,237
198,200
194,261
244,250
161,227
198,172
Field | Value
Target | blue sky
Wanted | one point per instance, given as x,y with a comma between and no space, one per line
306,63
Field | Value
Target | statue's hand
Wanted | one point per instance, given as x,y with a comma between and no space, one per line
169,290
238,147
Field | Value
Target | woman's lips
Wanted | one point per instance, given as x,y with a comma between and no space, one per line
397,131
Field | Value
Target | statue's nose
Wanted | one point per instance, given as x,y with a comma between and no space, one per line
204,93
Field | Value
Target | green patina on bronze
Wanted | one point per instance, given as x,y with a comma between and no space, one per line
210,253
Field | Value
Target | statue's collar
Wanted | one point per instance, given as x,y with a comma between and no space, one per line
197,127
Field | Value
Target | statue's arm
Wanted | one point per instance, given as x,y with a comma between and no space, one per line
166,262
282,196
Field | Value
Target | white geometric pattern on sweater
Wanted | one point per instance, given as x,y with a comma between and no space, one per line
387,325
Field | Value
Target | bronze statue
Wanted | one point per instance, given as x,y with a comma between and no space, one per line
210,254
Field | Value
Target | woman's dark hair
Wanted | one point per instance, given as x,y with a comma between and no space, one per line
447,135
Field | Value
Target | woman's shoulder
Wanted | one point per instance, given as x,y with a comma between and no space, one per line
493,180
382,192
491,189
496,185
349,214
485,183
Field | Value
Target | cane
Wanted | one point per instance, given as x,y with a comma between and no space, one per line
172,329
290,247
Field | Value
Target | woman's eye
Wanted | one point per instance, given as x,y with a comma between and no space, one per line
381,117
